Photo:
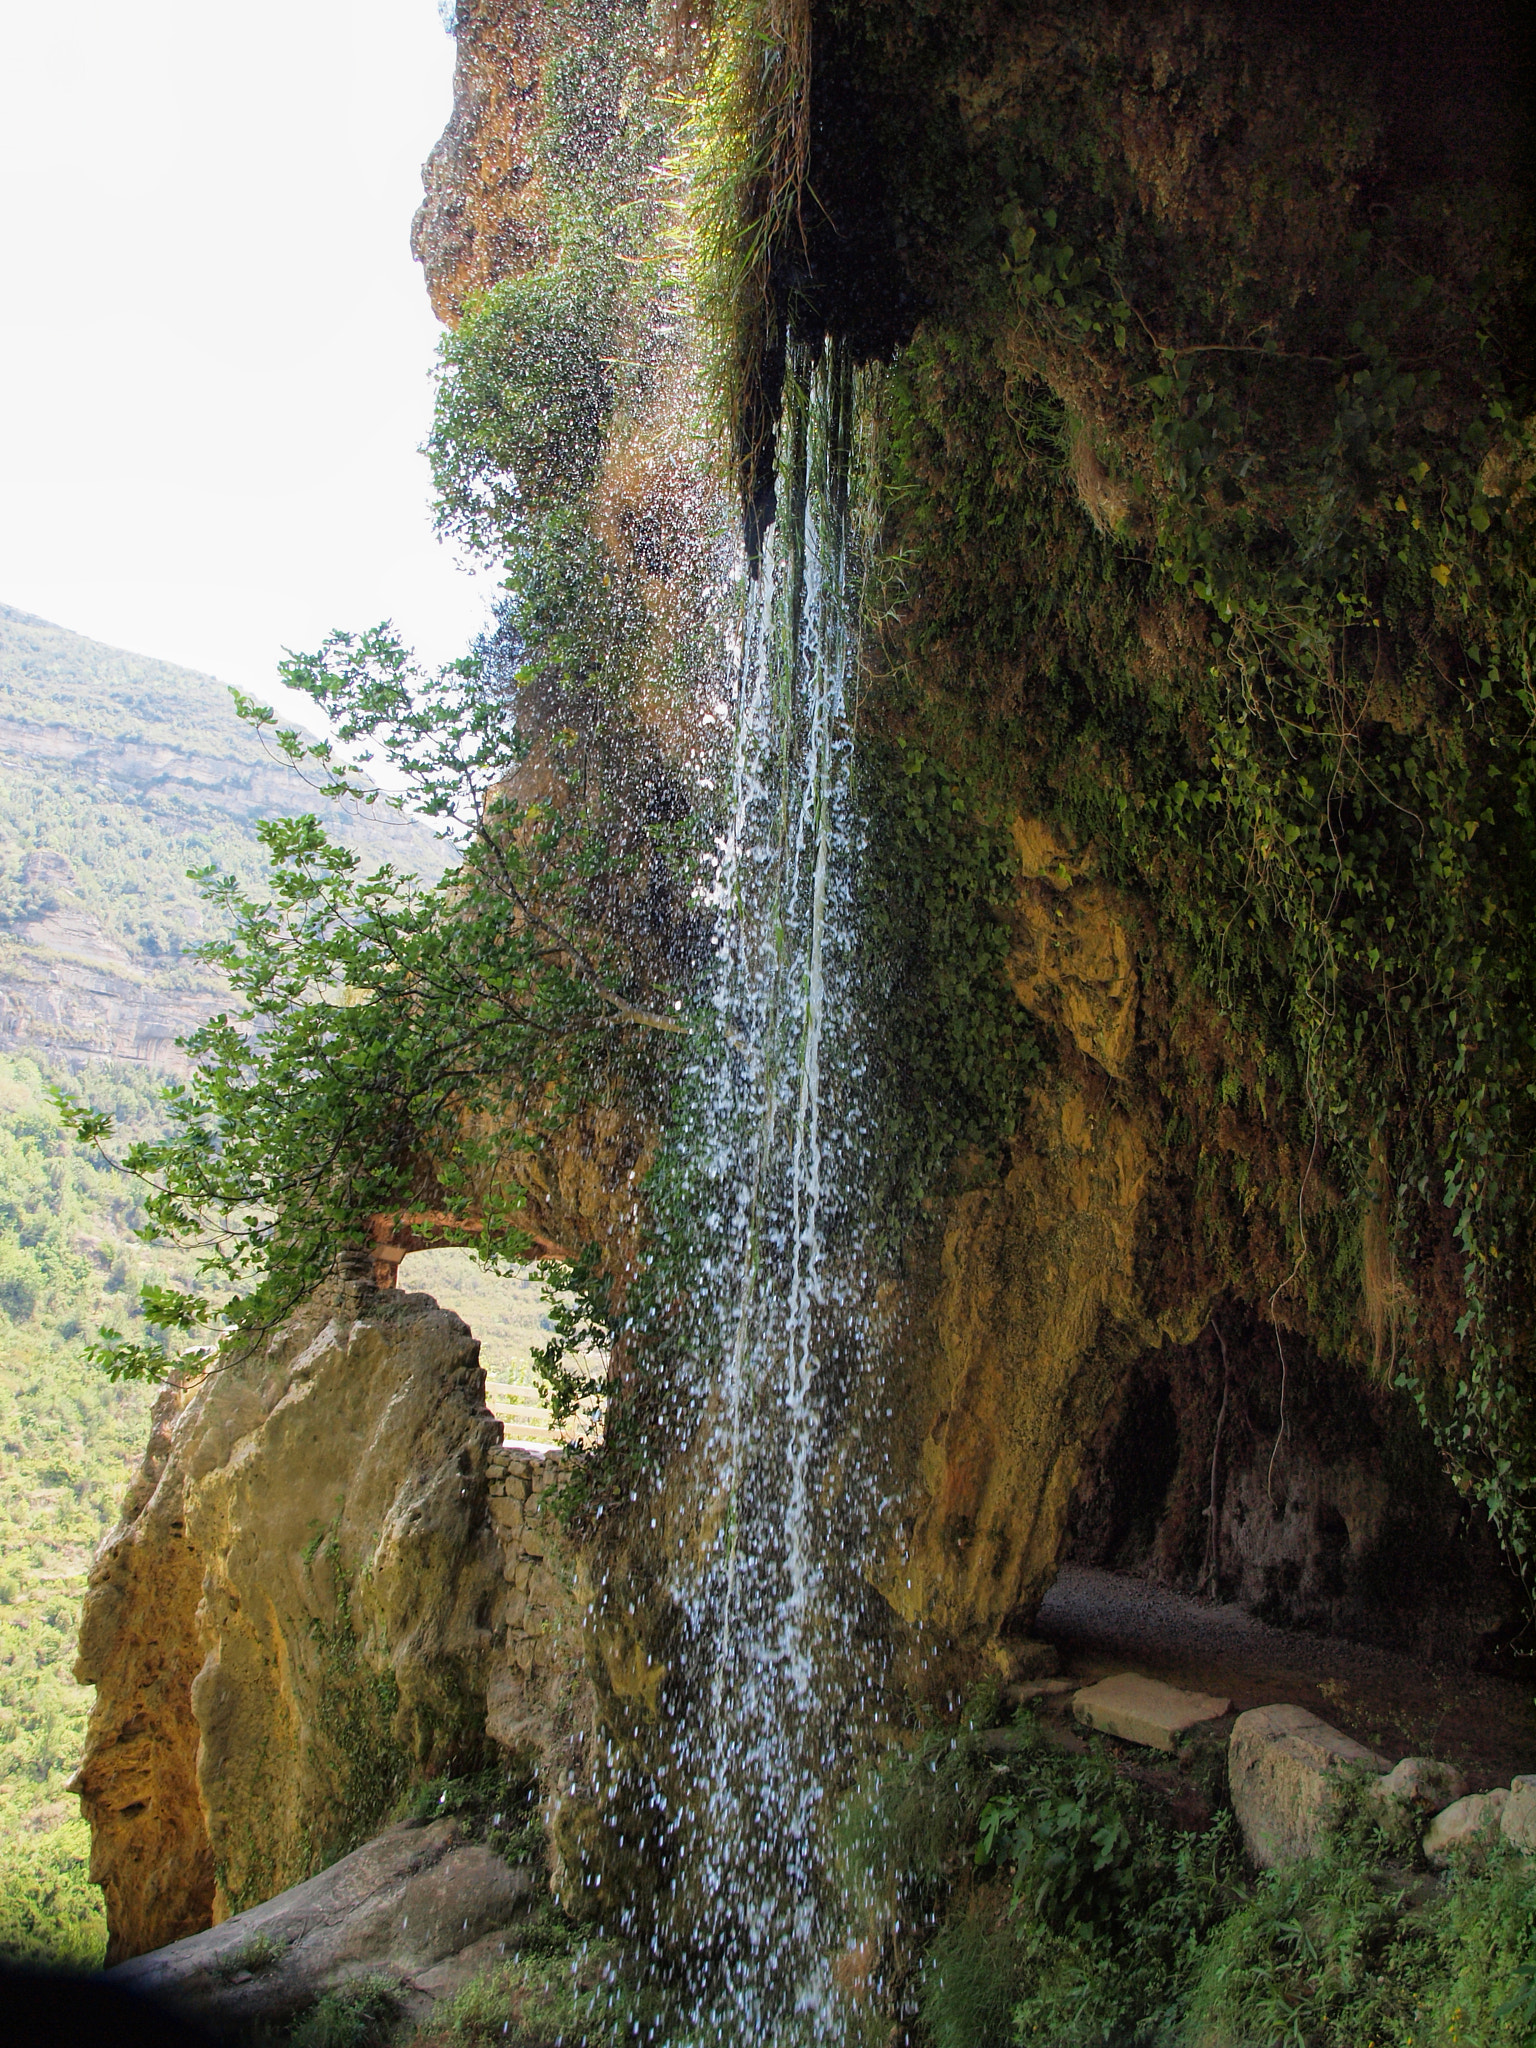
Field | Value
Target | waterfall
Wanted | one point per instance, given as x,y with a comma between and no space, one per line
777,1165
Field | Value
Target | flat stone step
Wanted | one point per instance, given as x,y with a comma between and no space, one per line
1145,1710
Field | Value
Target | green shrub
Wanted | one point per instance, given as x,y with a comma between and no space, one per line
542,2001
973,1976
524,396
260,1953
499,1807
1332,1953
360,2015
20,1283
1056,1904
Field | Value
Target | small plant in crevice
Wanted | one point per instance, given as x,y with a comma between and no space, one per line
367,1765
259,1954
361,2014
578,1298
544,1996
954,1051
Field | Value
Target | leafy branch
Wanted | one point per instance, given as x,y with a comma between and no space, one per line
393,1048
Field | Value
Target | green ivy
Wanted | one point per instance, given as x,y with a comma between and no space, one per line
952,1052
1322,779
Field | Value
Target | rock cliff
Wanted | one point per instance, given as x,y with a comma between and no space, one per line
309,1605
483,215
1056,1382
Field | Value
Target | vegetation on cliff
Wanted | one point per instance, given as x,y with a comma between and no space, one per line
402,1054
1004,1891
1207,474
1204,487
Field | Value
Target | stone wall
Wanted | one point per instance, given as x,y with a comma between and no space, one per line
536,1696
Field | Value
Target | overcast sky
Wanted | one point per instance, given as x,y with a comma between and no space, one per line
214,345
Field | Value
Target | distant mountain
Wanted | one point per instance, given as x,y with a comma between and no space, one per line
118,773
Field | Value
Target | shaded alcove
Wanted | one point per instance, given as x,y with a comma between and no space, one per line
1329,1513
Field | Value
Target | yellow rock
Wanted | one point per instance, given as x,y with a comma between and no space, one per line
297,1613
1145,1710
1072,963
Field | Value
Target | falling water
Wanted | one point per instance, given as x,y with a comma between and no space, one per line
778,1163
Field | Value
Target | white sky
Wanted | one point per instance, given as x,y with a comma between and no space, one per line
214,344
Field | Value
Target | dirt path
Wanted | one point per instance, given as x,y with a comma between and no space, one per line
1101,1622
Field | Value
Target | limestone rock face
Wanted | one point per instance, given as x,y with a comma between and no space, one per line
1030,1312
139,1646
1072,963
482,217
296,1615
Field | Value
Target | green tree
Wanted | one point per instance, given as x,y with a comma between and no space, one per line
396,1044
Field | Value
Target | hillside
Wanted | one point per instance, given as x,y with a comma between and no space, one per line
68,1441
118,774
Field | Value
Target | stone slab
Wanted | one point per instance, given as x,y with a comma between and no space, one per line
1286,1772
1145,1710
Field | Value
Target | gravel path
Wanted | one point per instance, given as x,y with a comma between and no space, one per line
1101,1623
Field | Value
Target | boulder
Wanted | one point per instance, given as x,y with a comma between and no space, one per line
1145,1710
405,1907
1285,1770
1517,1823
1421,1782
296,1615
1469,1824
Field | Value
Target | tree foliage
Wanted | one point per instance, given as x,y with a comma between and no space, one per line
395,1045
